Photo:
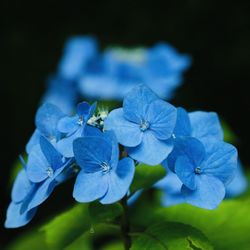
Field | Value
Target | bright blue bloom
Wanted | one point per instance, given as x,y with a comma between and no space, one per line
74,127
238,185
205,172
46,121
144,125
45,164
119,70
78,52
204,126
102,175
17,214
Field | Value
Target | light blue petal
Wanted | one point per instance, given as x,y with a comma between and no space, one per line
90,186
91,152
15,219
68,125
21,187
238,185
221,161
47,118
42,192
53,157
136,101
119,181
151,150
65,145
37,165
209,192
34,140
91,131
188,146
162,119
127,133
185,170
206,125
183,125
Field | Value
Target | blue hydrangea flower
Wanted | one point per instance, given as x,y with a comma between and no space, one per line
144,125
238,185
119,70
205,172
103,176
78,52
204,126
46,121
45,164
74,127
17,214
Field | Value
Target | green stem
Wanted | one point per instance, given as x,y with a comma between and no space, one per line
125,227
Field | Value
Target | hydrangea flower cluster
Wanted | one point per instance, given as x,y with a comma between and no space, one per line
103,150
84,71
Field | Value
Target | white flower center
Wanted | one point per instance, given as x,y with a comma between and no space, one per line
105,167
144,126
50,171
197,170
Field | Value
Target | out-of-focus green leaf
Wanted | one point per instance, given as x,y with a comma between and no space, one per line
32,240
66,227
229,135
83,242
171,236
146,176
104,213
116,245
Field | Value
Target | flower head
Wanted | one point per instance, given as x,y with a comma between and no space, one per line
144,125
102,175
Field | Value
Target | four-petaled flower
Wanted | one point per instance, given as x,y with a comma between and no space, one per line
74,127
102,175
205,172
144,125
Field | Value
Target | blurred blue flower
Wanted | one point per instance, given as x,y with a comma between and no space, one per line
46,121
238,185
205,172
102,175
119,70
144,125
74,127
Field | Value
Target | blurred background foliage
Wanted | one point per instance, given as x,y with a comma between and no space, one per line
215,33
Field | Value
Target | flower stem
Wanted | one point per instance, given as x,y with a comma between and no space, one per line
125,227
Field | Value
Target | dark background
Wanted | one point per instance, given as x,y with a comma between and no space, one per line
215,33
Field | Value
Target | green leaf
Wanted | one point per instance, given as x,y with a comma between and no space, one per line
171,236
229,135
82,242
104,213
146,176
226,227
66,227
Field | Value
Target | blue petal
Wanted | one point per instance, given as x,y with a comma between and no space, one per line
183,125
221,161
15,219
185,170
53,157
206,125
82,109
91,131
127,133
21,187
37,165
119,181
65,145
135,103
238,185
91,152
47,118
162,119
43,191
209,192
151,150
188,146
90,186
68,125
34,140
